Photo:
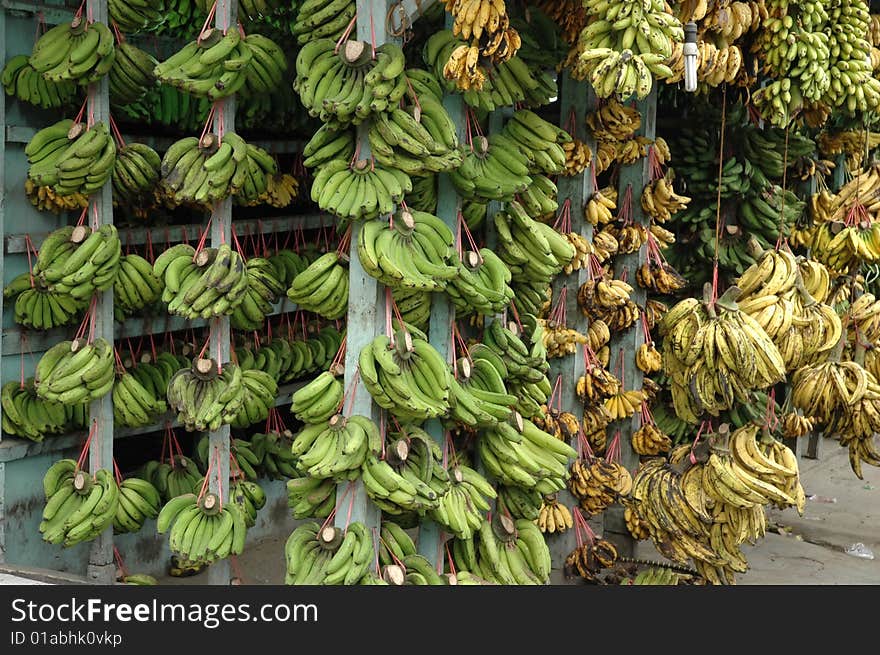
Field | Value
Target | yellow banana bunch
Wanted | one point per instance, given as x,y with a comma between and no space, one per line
865,314
636,525
649,440
629,237
624,404
583,249
281,190
600,206
660,278
715,355
648,359
598,334
577,157
794,425
463,68
554,517
855,143
660,201
843,399
596,385
599,483
45,199
614,121
608,301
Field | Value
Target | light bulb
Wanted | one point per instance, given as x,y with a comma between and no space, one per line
690,53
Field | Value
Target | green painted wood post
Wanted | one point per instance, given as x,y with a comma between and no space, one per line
625,344
430,543
576,100
226,18
366,299
101,567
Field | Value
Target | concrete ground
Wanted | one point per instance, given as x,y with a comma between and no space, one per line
810,549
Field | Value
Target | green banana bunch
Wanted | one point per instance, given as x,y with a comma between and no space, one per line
482,285
540,199
504,551
311,498
154,376
336,448
423,196
414,251
624,46
278,460
327,144
203,399
291,359
75,372
136,286
22,81
79,262
411,569
264,289
539,143
323,287
136,15
319,19
418,138
27,415
520,503
211,169
320,399
461,509
521,454
474,212
218,65
410,477
173,478
203,530
408,377
79,506
494,168
133,404
288,264
414,306
533,251
135,173
71,157
37,307
359,191
76,51
138,501
346,85
479,398
765,150
329,555
131,74
250,498
210,283
165,105
394,543
853,87
258,397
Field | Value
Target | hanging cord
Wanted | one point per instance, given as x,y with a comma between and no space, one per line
718,196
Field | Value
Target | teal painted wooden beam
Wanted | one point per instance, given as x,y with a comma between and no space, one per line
430,543
101,567
627,342
576,100
225,18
